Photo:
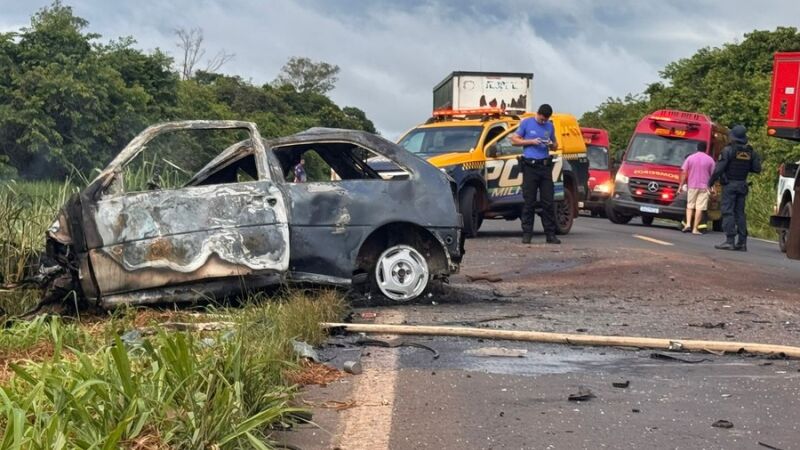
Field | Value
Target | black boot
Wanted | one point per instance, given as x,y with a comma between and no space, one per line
526,238
552,239
727,245
740,247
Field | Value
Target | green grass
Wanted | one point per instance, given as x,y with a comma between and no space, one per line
169,390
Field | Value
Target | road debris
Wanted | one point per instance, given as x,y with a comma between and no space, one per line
583,394
621,384
570,339
305,350
489,278
722,424
656,355
708,325
768,446
353,367
368,315
499,352
395,344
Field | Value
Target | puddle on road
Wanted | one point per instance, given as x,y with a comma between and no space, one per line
539,359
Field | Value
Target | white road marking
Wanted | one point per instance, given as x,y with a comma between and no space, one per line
763,240
369,423
653,240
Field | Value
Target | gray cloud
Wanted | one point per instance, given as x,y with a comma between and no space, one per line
392,53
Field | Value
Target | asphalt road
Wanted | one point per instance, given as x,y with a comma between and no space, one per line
605,279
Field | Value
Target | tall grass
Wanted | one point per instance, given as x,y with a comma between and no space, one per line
170,390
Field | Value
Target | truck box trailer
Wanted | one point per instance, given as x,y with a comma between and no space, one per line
512,92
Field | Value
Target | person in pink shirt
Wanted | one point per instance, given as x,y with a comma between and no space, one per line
695,173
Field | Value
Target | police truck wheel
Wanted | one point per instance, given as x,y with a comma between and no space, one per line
648,220
564,216
616,217
470,210
783,235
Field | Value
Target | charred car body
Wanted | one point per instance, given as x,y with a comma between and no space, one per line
238,224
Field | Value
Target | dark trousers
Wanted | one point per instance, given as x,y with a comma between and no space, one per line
535,179
734,221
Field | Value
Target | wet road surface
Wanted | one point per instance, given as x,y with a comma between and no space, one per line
605,279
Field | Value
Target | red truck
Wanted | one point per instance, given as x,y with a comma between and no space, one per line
646,184
783,121
600,182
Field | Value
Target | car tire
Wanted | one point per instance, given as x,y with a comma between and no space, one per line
616,217
564,213
470,211
783,236
400,274
648,220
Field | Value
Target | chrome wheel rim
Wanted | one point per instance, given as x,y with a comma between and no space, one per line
401,273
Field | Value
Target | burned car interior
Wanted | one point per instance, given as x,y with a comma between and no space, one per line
147,230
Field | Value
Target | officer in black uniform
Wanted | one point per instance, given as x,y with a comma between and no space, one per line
737,160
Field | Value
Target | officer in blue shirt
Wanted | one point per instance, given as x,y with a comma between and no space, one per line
537,136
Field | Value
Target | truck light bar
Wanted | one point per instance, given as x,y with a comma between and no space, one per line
467,112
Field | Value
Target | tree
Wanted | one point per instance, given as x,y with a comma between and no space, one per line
190,42
307,76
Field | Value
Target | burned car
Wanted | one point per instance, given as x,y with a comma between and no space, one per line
238,223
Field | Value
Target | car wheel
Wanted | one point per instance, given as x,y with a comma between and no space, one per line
783,236
648,220
470,210
401,273
616,217
564,215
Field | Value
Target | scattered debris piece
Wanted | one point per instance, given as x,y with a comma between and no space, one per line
582,395
500,352
621,384
581,330
722,424
368,315
396,343
761,321
310,373
714,352
636,410
305,350
675,346
768,446
664,356
708,325
489,278
353,367
332,404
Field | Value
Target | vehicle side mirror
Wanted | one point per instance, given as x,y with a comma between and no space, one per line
491,152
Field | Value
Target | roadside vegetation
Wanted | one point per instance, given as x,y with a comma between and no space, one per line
731,84
127,380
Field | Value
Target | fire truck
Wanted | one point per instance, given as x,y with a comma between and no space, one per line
600,184
783,121
646,184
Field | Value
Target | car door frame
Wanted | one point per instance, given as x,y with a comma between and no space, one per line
263,198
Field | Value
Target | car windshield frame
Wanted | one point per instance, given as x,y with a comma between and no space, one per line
661,150
597,149
462,137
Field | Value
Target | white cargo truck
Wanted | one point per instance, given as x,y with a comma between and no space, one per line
512,92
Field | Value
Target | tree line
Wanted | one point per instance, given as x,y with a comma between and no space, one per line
69,102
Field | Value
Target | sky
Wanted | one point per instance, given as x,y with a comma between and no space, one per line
392,52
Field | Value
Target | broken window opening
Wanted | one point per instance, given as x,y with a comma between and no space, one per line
331,162
176,159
